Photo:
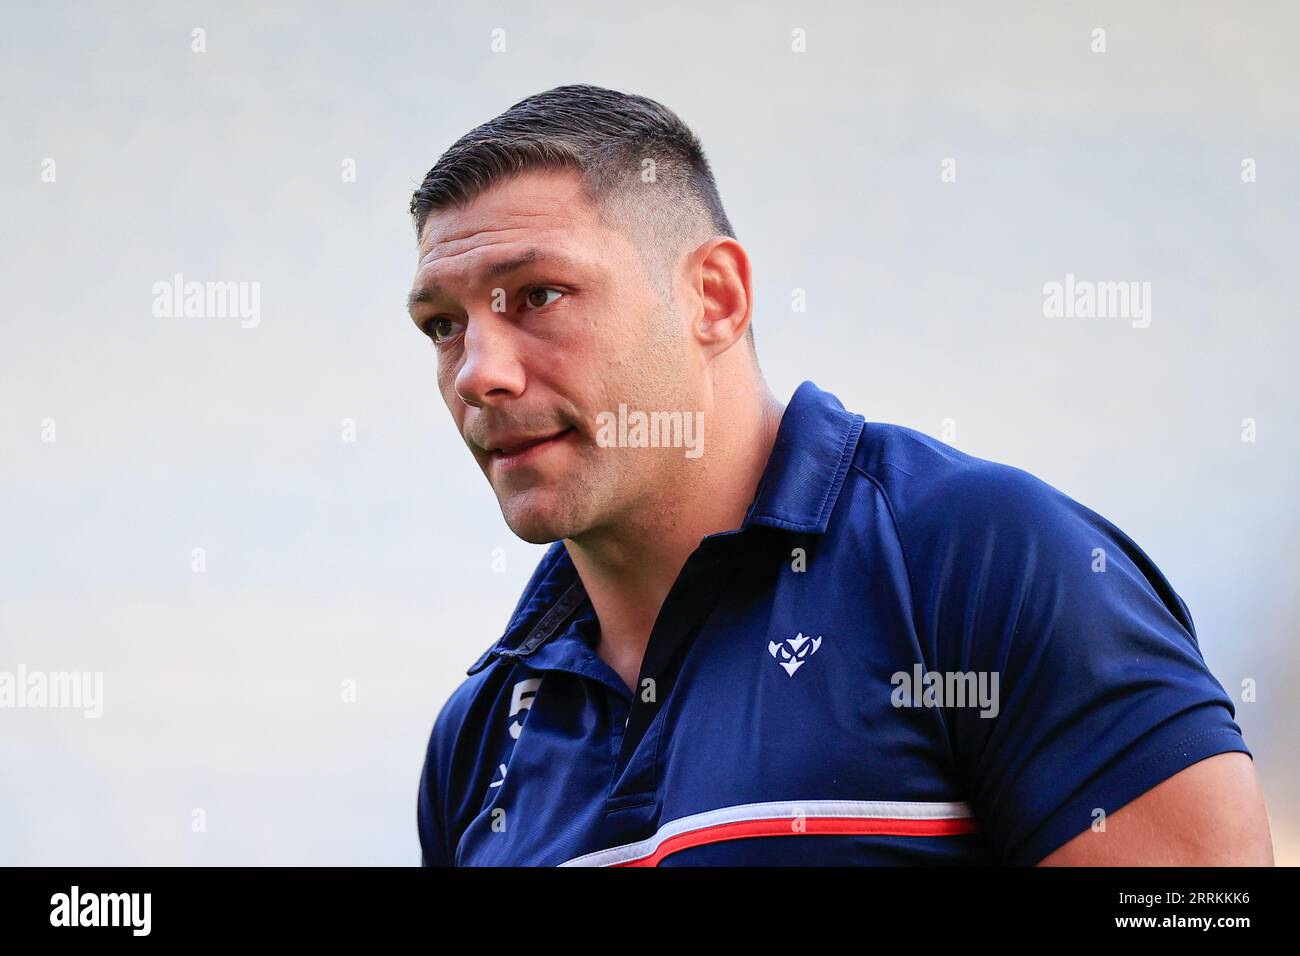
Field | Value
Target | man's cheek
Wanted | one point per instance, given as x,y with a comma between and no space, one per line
448,392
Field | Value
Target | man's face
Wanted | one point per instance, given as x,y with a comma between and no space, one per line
542,317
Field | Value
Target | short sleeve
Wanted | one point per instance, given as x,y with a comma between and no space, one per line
1102,689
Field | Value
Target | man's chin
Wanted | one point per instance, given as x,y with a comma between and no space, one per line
538,518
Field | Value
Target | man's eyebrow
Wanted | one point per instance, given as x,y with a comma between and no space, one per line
431,291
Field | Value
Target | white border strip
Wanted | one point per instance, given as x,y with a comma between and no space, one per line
874,809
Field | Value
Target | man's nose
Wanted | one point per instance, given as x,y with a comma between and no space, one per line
491,372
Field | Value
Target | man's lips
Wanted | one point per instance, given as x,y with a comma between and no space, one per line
517,451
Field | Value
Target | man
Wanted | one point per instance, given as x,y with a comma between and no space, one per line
767,634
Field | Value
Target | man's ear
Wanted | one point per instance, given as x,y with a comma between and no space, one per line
720,273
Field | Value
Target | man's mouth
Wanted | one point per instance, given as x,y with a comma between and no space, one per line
518,451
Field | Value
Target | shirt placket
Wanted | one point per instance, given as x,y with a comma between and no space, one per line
633,805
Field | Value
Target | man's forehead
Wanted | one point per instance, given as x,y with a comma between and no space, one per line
544,218
480,261
529,202
482,243
484,250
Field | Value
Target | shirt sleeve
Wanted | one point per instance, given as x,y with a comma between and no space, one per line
433,851
431,812
1102,691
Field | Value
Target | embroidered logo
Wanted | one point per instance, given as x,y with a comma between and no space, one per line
793,652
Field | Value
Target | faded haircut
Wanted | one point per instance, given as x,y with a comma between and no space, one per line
640,165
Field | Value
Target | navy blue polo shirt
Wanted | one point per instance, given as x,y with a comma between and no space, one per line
904,655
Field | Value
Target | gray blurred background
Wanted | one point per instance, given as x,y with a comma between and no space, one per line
384,561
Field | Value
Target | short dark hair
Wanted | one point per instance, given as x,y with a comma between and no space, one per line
611,139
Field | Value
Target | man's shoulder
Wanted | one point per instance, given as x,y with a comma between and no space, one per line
469,702
453,756
934,489
969,526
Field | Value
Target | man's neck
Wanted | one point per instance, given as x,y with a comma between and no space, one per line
628,570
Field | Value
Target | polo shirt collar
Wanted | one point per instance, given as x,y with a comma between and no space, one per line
810,459
805,473
551,595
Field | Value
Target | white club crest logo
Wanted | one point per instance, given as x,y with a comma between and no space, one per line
794,651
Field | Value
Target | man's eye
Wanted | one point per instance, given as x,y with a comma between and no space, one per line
543,292
442,329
